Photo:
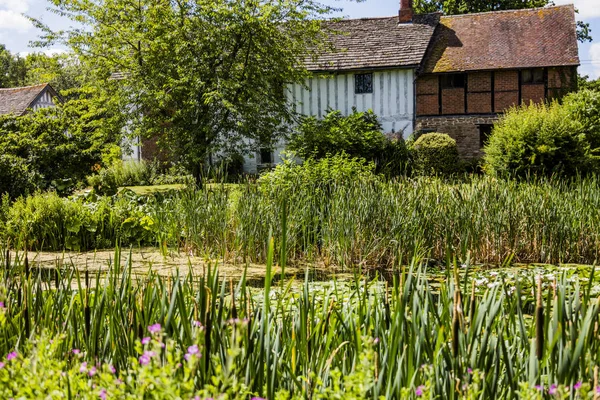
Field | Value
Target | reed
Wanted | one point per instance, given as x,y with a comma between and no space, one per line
299,336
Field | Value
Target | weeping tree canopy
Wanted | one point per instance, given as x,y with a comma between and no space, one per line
204,76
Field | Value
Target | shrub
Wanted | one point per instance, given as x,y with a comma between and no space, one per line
537,139
333,170
105,182
358,135
435,153
53,148
584,106
393,158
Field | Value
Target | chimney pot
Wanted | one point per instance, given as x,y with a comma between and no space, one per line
406,11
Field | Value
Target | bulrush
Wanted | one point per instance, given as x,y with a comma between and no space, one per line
539,321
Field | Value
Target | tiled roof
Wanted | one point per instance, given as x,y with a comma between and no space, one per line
375,43
18,100
540,37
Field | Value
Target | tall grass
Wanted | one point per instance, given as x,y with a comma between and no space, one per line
295,336
370,223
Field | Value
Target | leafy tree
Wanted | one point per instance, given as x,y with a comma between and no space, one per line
455,7
62,71
13,69
584,82
56,147
205,76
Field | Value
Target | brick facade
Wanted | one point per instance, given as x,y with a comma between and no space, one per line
461,112
464,129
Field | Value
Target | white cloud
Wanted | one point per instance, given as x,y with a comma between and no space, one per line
594,54
587,8
11,16
11,20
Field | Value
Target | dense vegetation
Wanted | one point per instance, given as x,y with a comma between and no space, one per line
358,340
545,139
337,211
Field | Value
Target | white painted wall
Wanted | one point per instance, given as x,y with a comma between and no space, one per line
44,101
392,100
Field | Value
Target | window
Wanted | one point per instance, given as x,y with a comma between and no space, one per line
532,76
363,83
484,134
454,81
266,156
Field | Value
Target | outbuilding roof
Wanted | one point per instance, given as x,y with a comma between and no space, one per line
369,43
19,100
539,37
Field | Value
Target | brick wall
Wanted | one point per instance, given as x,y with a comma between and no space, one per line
453,101
479,96
428,95
561,80
506,90
463,129
533,93
151,151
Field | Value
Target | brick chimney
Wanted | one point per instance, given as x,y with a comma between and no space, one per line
406,11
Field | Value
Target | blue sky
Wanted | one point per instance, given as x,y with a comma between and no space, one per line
16,32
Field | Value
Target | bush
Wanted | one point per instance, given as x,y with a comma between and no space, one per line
313,174
537,140
435,153
393,158
53,148
358,135
584,106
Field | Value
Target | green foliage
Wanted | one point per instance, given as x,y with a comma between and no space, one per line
207,88
435,154
453,7
584,82
117,335
584,107
13,69
55,147
358,135
314,174
537,140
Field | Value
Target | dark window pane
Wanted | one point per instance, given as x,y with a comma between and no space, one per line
532,75
484,134
454,81
266,156
363,83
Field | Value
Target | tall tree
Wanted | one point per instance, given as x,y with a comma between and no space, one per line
206,76
12,69
62,71
455,7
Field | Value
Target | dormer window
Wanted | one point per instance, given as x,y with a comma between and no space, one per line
363,83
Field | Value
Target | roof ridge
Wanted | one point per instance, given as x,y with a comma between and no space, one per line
571,5
25,87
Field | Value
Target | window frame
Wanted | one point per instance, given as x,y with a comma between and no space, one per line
447,81
533,81
360,83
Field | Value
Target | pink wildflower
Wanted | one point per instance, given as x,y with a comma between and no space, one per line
92,371
553,389
103,394
154,328
419,391
577,386
11,356
83,369
146,340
